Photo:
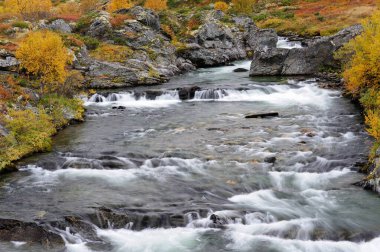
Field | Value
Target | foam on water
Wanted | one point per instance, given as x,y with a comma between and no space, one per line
305,93
308,94
286,44
130,100
176,239
258,243
156,169
304,180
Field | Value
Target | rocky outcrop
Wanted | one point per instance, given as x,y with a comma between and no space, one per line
31,233
215,43
318,55
372,181
59,25
153,58
100,26
8,62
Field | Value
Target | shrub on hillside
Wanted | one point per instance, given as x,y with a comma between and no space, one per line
362,71
157,5
222,6
29,132
29,9
243,6
115,5
43,55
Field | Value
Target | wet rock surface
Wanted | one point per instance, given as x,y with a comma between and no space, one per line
318,54
31,233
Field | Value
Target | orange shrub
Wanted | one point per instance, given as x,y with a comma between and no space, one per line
69,17
168,30
29,9
372,119
157,5
193,24
68,8
115,5
222,6
4,93
4,27
88,5
44,55
118,19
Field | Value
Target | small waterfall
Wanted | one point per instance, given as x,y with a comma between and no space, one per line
286,44
210,94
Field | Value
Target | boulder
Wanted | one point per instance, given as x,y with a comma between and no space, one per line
262,115
310,60
261,39
109,75
100,26
59,25
146,17
270,160
8,62
184,65
240,70
214,44
32,233
187,93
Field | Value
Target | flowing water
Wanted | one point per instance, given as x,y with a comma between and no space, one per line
196,175
286,44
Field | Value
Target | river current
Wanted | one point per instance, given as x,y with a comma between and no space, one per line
196,175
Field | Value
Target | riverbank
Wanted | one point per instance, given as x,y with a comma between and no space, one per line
153,56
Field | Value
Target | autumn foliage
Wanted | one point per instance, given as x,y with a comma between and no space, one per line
222,6
243,6
29,9
362,71
43,55
157,5
115,5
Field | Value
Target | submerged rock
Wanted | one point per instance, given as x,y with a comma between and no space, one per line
241,70
262,115
31,233
188,93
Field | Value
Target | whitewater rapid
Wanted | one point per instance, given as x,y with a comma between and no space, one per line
196,175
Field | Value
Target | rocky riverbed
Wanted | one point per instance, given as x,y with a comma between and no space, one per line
151,171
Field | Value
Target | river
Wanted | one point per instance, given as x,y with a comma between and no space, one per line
197,176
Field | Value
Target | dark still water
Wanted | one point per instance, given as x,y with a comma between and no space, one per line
197,176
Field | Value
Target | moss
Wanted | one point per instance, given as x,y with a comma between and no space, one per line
113,53
153,73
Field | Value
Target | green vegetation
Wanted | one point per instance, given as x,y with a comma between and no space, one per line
29,132
362,73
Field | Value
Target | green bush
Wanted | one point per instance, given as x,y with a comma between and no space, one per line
29,132
21,24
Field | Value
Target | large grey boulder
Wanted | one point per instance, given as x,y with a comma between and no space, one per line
59,25
214,44
144,16
8,62
269,62
261,39
100,26
109,75
318,55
